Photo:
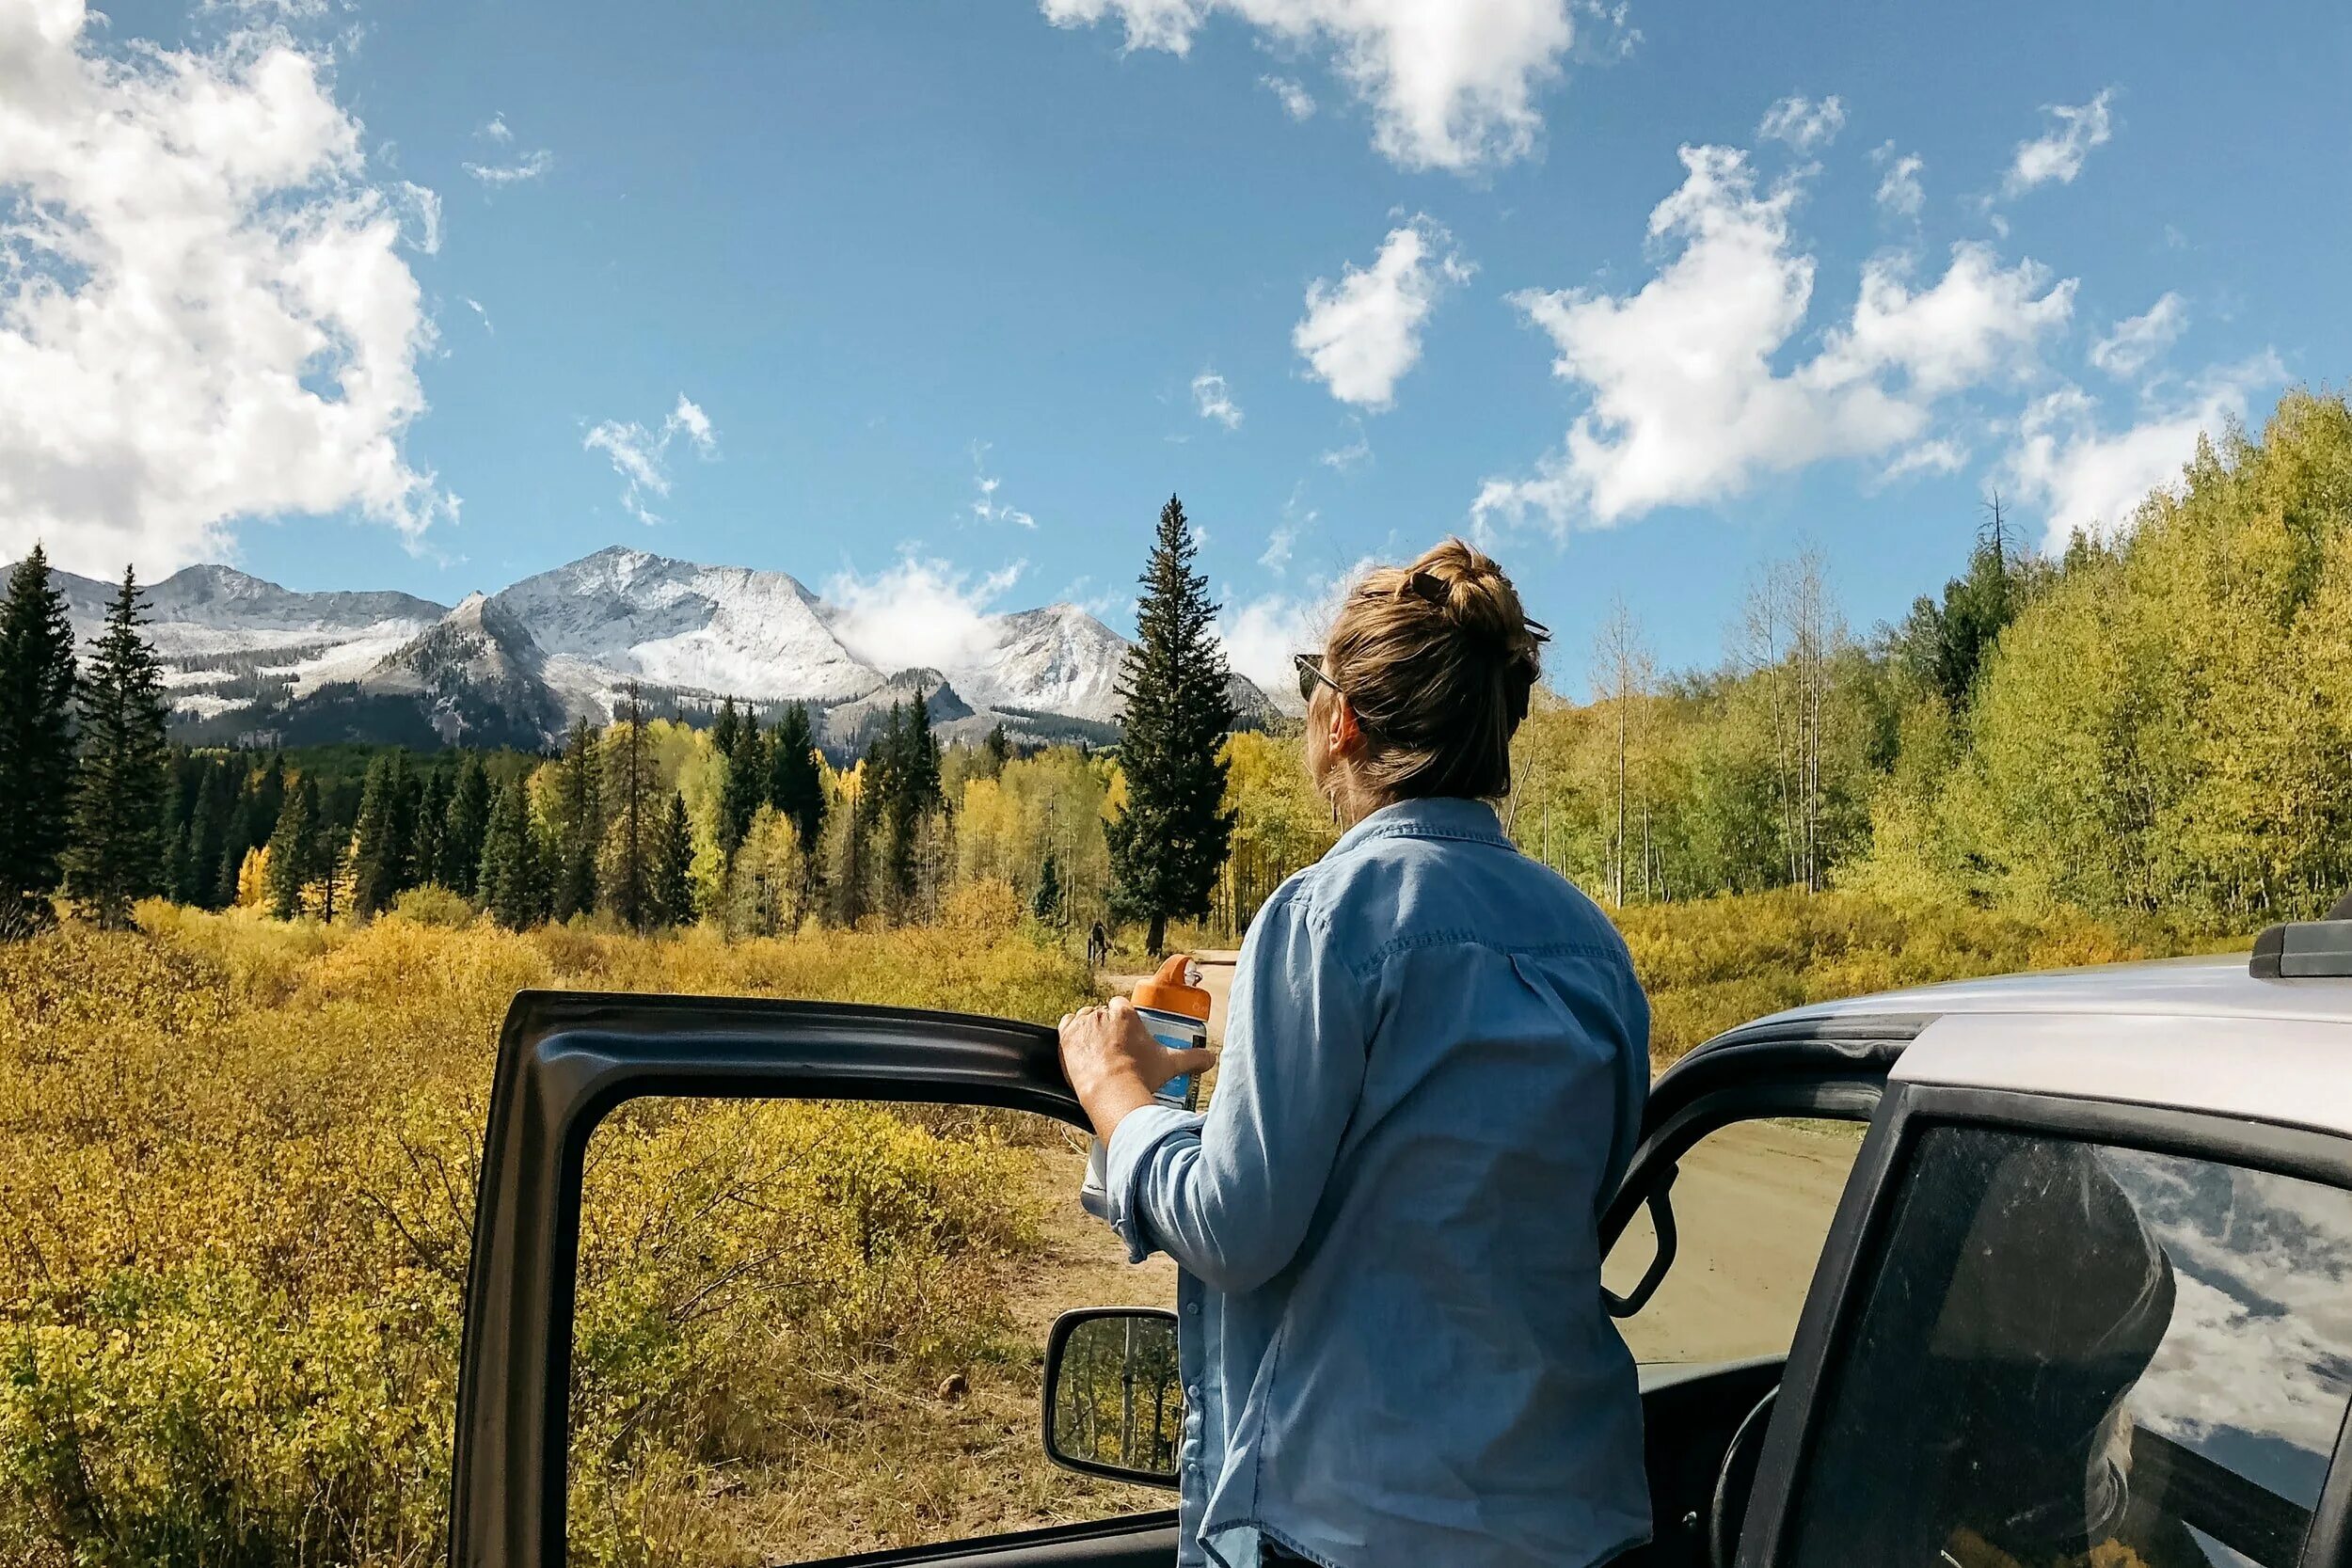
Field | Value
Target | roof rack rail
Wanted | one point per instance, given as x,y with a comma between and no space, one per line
2306,949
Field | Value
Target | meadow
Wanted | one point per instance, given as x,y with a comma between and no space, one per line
237,1160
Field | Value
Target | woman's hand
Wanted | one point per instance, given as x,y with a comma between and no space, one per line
1114,1064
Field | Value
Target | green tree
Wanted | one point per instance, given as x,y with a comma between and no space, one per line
579,820
795,786
36,744
1168,845
293,848
747,776
996,750
382,848
1046,903
251,825
635,807
215,815
513,880
432,820
115,856
1942,648
672,866
463,825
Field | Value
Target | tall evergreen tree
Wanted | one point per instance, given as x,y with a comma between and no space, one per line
672,866
996,750
513,882
293,848
914,797
252,825
1047,904
122,775
208,839
726,729
465,824
746,785
1168,845
795,784
381,851
36,744
432,814
579,820
635,814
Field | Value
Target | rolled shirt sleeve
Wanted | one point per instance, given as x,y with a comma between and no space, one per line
1228,1195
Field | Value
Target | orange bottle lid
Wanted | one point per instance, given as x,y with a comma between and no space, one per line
1167,991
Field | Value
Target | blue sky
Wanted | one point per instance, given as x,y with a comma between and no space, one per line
932,305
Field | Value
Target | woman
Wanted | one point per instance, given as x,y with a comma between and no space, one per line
1390,1322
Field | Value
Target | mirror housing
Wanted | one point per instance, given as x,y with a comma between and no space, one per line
1114,1396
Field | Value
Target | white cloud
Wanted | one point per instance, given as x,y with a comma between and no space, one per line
1259,634
204,313
1803,123
1943,455
641,457
1452,83
986,508
2059,152
1686,405
1215,399
1297,101
1349,458
1279,545
426,206
531,165
1360,335
495,130
2084,477
2138,340
920,613
1900,191
480,309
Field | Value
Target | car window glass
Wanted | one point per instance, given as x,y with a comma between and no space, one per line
811,1328
1752,1207
2077,1355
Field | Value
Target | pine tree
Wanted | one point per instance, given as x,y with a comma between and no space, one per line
579,820
746,785
726,729
215,813
36,744
912,797
122,776
465,824
381,851
293,848
1047,905
1168,845
432,814
628,886
796,786
511,879
996,750
260,800
672,866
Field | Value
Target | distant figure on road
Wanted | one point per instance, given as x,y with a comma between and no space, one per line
1393,1342
1098,946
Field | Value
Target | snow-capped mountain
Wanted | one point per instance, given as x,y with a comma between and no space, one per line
249,661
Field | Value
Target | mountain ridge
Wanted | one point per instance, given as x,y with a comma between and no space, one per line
248,661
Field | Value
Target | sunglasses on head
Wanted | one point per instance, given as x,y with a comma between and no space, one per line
1311,676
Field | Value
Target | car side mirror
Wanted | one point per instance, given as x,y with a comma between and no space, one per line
1114,1398
1662,1238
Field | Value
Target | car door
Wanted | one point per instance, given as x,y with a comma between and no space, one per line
1735,1194
566,1062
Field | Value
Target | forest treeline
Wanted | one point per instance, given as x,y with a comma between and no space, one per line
2159,725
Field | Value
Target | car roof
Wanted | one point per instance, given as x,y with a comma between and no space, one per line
2184,1033
2216,986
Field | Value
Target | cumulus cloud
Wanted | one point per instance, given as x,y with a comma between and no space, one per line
2059,152
1452,83
919,612
205,316
1297,101
1942,455
641,457
1360,335
2085,477
2138,340
1900,191
1686,405
1215,401
986,507
1803,123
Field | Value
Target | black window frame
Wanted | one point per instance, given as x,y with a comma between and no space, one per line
1859,1235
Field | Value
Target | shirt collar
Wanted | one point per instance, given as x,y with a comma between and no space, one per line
1435,817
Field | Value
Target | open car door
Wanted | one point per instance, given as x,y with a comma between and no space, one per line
566,1061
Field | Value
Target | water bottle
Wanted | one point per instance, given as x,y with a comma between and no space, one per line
1176,1012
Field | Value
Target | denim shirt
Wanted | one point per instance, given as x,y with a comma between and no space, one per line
1389,1317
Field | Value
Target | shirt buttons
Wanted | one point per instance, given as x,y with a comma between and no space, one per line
1193,1393
1192,1309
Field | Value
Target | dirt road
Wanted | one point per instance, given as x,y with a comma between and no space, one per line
1751,1205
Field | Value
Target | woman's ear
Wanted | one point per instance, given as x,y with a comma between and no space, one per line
1345,737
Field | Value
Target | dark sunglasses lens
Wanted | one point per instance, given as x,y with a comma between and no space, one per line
1306,676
